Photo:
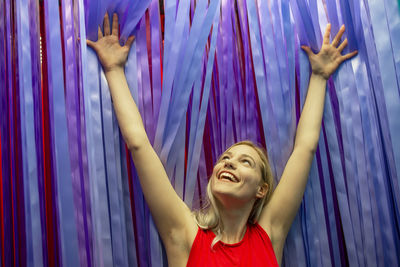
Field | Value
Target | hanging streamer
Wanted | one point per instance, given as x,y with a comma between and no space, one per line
204,75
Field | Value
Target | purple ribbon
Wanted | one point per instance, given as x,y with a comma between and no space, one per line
7,132
29,156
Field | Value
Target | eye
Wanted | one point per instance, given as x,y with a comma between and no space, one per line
246,161
225,157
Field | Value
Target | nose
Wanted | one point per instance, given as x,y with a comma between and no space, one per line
229,164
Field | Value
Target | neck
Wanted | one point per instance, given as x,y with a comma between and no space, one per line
235,223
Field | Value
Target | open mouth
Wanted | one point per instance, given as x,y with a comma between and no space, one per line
227,176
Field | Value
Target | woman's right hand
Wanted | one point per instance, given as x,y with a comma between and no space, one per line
328,59
111,54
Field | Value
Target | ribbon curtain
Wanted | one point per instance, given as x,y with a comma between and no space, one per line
204,74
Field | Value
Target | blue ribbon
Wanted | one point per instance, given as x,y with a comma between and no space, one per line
133,14
274,84
170,65
388,75
119,252
60,153
97,170
179,104
85,185
327,194
392,13
252,131
74,122
197,126
269,124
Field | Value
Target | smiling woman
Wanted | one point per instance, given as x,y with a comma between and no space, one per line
242,161
241,180
256,162
203,76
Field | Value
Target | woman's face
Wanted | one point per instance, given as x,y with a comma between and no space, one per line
236,176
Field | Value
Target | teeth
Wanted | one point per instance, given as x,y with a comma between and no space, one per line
228,176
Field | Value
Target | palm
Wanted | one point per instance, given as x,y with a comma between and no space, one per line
329,57
111,54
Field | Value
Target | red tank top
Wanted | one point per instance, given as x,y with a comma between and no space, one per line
254,250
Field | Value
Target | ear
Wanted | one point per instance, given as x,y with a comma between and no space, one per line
262,190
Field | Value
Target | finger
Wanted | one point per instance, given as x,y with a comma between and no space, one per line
307,50
129,42
349,55
338,36
99,33
106,25
327,34
91,44
115,25
342,45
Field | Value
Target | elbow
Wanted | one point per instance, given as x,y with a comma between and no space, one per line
307,142
306,146
135,141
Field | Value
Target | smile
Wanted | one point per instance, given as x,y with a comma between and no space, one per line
227,176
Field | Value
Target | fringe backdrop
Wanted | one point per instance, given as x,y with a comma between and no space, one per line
204,74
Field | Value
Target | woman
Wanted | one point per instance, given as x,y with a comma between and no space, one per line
245,223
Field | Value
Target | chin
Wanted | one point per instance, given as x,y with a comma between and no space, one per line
223,192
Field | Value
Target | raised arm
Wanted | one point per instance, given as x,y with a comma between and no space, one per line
171,215
281,210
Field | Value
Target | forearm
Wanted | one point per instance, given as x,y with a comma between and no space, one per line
127,113
309,126
286,199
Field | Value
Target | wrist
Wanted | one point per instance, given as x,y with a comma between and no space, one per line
114,70
320,76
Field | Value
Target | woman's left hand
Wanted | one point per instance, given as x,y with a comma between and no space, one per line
329,57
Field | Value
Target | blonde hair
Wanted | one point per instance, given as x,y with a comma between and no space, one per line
208,217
